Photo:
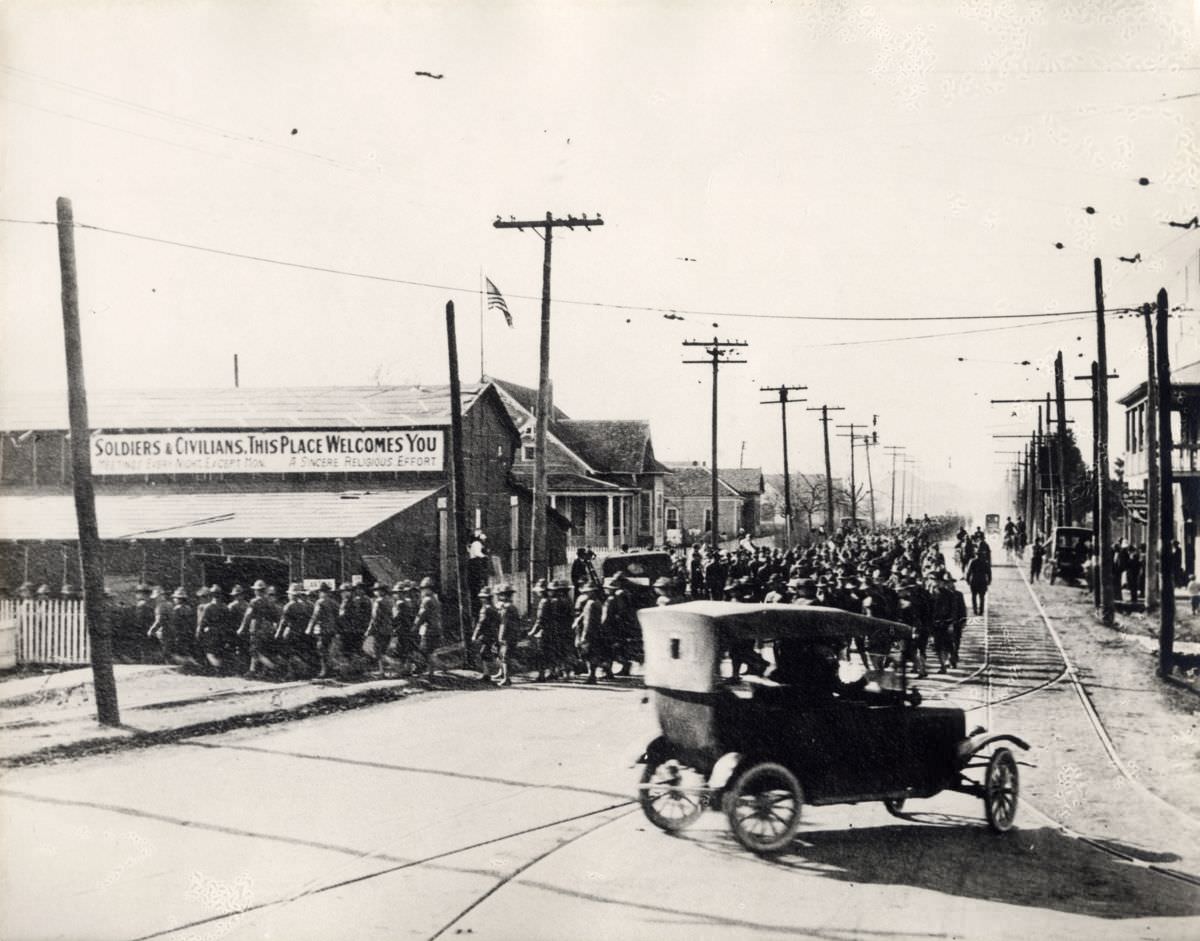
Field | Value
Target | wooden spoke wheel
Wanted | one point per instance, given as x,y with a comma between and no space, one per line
1001,789
763,807
670,794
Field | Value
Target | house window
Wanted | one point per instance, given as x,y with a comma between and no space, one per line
707,518
527,452
672,517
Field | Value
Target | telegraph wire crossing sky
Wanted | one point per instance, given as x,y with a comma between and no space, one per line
755,168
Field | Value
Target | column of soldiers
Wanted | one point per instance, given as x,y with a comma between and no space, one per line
897,574
313,632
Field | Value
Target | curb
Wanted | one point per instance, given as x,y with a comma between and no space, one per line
324,705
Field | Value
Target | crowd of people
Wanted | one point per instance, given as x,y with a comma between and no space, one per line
583,627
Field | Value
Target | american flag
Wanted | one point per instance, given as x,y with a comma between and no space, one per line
495,301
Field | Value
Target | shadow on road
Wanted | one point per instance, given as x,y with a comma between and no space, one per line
1037,868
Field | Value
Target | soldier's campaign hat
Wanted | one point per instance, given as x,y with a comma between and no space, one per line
400,586
43,590
540,586
201,592
237,590
68,590
259,585
380,586
296,588
179,592
325,586
504,589
142,589
25,586
484,592
561,584
663,582
426,582
345,586
215,590
615,581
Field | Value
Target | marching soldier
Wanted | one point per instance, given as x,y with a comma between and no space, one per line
213,629
162,618
291,631
590,641
508,633
483,638
379,627
562,634
257,626
353,617
237,613
428,624
141,622
177,636
541,633
618,623
323,628
403,645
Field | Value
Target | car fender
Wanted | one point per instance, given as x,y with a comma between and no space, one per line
655,750
969,747
723,770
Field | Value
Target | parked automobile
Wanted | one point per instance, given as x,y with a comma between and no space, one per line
640,570
1070,549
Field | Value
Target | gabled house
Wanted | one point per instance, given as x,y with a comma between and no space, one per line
689,501
600,474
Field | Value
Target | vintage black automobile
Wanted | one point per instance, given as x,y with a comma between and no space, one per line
640,569
1070,548
760,748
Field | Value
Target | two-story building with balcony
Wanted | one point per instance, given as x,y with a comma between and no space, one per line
1185,457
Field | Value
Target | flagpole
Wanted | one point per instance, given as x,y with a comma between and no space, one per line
482,371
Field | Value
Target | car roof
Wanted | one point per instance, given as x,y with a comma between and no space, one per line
771,621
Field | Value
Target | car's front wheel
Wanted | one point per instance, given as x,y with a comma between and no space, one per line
1001,789
763,806
671,794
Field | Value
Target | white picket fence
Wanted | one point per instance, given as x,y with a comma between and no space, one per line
44,632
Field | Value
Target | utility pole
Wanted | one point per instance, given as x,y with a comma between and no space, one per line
853,481
868,442
236,378
720,354
1166,622
1150,454
895,450
830,524
782,392
538,555
1105,534
1064,483
91,553
458,479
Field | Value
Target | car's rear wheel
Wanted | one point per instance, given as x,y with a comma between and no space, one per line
894,805
1001,789
763,806
670,794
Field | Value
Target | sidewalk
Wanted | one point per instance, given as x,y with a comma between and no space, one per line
53,715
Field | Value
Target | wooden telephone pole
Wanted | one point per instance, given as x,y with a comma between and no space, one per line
1153,509
830,523
782,392
538,554
895,449
1107,612
91,556
1166,623
719,353
853,481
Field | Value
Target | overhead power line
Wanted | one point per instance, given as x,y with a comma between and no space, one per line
832,318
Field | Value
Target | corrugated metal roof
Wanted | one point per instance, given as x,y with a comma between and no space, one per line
305,407
292,515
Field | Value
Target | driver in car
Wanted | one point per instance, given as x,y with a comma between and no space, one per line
809,671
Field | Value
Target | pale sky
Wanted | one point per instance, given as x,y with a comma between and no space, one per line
835,159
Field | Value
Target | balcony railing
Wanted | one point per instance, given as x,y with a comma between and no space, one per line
1185,458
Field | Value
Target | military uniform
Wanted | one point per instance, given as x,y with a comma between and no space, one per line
428,623
380,627
323,629
213,629
508,632
590,641
291,633
483,637
258,629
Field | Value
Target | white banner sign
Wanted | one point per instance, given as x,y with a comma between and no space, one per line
267,452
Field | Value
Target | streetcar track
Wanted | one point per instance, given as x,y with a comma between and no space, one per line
1097,723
